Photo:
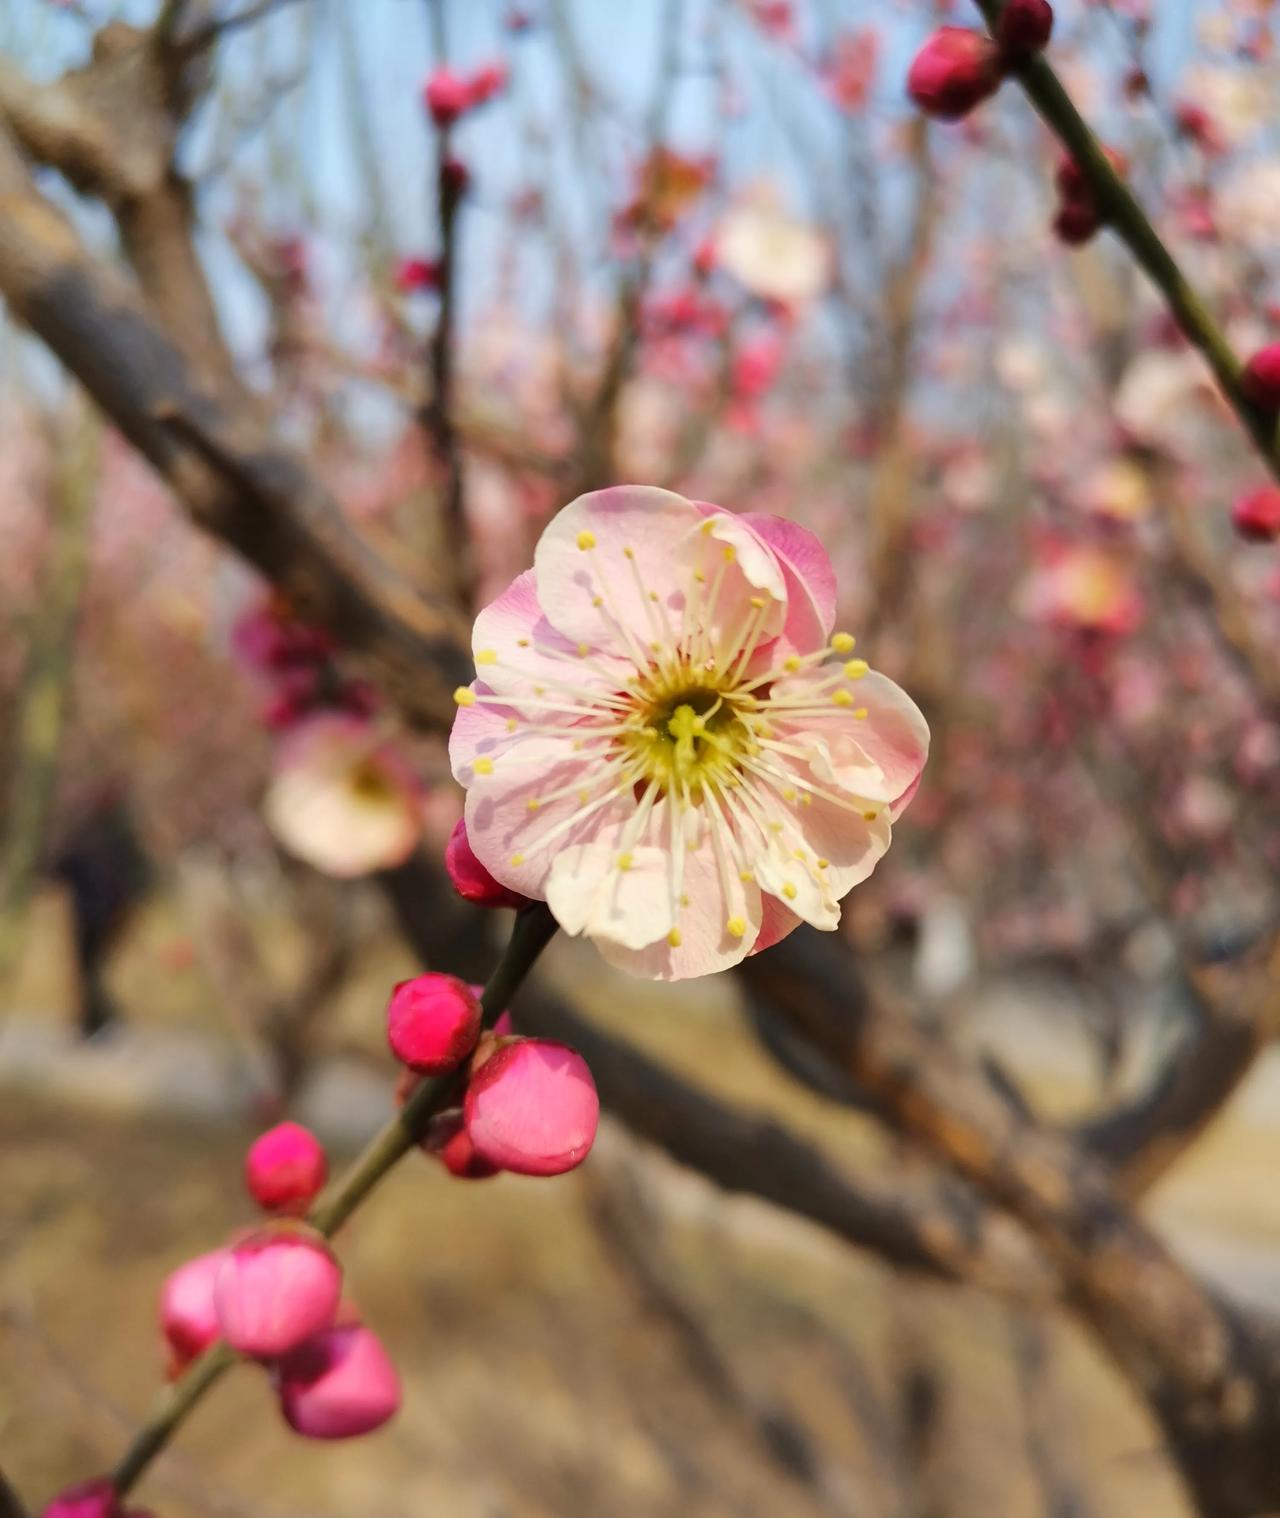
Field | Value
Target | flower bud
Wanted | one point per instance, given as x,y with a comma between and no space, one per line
1261,378
447,1138
1256,516
339,1384
433,1022
285,1168
414,274
489,79
446,95
188,1319
88,1499
954,71
1024,27
274,1290
1076,221
532,1108
470,878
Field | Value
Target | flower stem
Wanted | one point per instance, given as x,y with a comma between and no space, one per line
1122,212
534,929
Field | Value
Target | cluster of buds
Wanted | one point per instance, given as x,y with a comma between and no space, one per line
957,69
1079,214
294,661
448,96
275,1296
529,1105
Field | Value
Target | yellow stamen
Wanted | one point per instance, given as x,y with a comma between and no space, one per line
465,696
483,766
736,927
586,540
843,643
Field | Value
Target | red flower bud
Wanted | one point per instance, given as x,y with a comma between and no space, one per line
433,1022
448,1140
274,1290
1076,221
446,95
1261,378
532,1108
188,1318
339,1384
1024,27
470,878
285,1168
89,1499
1256,516
954,71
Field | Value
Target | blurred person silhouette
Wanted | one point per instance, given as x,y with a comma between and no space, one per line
102,865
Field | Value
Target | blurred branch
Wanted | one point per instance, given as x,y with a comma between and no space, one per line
42,702
234,479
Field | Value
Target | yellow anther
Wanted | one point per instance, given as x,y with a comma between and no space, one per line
842,698
746,877
533,803
870,816
855,669
806,798
728,553
707,527
512,724
586,540
597,601
625,861
517,860
684,900
674,938
789,794
583,650
699,577
483,766
843,643
522,642
824,864
792,664
653,596
736,927
465,696
757,602
628,553
788,890
539,690
487,656
859,712
584,796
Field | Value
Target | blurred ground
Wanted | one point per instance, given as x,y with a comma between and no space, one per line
621,1341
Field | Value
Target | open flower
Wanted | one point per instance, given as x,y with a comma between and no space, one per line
342,798
667,743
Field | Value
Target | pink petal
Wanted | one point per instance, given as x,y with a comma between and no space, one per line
878,756
570,578
810,580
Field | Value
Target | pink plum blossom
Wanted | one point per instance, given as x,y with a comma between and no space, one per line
339,1384
188,1318
667,742
770,253
274,1290
342,798
285,1168
532,1108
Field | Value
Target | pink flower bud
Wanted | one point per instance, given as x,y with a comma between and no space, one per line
1256,516
446,95
532,1108
954,71
447,1138
339,1384
89,1499
274,1290
188,1318
414,274
285,1168
433,1022
1261,378
488,81
1024,27
470,878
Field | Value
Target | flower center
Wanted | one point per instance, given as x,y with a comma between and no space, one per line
689,736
